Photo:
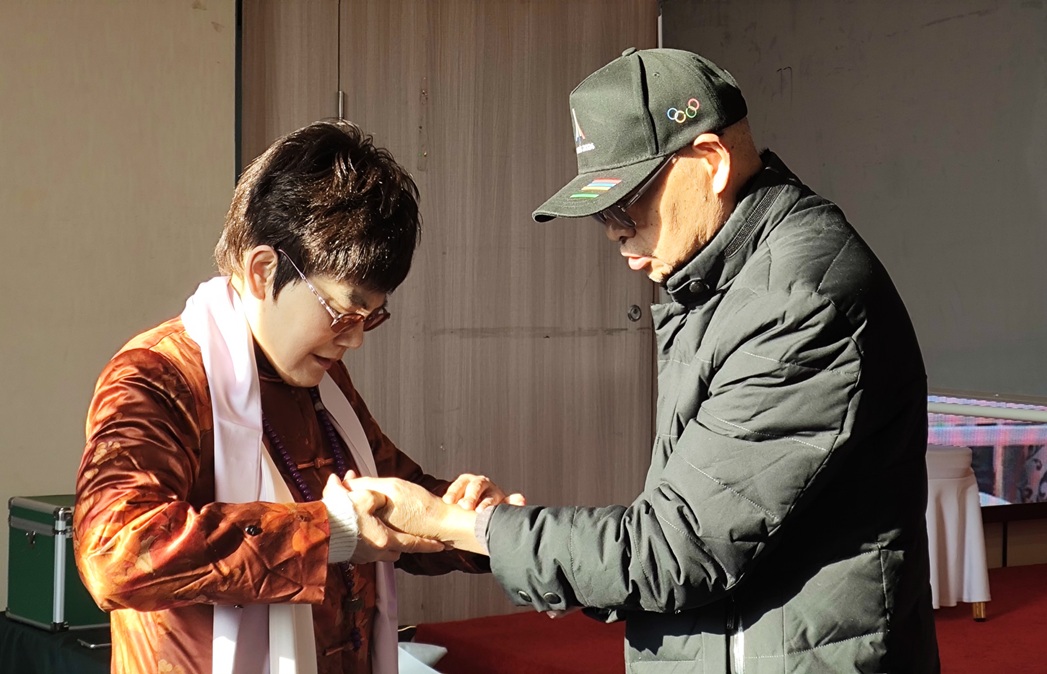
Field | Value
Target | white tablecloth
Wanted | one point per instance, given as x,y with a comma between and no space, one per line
954,528
418,658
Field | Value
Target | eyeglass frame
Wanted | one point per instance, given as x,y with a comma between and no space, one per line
340,322
616,212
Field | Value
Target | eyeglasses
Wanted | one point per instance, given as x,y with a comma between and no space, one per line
616,213
342,322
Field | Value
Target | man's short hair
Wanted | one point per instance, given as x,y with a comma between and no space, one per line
330,199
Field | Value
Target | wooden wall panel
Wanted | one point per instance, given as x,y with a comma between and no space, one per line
289,70
510,352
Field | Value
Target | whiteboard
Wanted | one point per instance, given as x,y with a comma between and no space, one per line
926,121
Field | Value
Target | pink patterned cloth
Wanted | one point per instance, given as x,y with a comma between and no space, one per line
1009,456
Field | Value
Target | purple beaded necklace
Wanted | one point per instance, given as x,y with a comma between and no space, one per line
353,604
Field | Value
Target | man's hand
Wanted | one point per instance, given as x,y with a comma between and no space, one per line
476,492
377,542
408,507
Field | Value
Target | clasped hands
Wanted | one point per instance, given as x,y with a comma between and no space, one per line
396,516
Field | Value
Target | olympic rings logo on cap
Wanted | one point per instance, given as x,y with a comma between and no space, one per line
681,116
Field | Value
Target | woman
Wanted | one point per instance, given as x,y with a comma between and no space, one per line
210,516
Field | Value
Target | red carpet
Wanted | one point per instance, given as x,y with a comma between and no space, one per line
1011,640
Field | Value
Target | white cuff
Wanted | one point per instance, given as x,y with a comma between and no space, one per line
345,532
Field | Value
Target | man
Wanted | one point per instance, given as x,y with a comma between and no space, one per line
209,519
781,527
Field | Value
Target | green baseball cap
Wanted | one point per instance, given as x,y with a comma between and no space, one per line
633,113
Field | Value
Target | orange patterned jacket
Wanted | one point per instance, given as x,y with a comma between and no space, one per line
154,548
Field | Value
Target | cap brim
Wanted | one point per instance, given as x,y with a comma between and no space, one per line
590,193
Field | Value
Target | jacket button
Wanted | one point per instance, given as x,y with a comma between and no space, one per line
252,530
523,595
551,597
697,287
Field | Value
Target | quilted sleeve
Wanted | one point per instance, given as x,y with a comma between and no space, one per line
781,401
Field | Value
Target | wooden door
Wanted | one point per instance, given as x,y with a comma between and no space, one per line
289,69
510,352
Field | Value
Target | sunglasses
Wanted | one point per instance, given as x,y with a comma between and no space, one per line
616,215
342,322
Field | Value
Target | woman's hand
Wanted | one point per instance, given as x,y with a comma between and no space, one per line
411,509
376,540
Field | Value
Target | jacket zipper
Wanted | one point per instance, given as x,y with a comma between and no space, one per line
735,639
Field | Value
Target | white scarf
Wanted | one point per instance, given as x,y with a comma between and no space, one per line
244,472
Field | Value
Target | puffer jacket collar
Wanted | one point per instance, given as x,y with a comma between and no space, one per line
723,257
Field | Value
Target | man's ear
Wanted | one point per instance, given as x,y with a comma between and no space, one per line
715,158
260,270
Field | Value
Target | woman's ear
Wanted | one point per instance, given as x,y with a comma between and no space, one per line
716,160
259,270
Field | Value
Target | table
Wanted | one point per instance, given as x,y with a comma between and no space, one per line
31,650
528,642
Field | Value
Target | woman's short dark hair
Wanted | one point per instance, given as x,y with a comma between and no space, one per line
331,200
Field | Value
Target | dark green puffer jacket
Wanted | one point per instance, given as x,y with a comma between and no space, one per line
781,529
